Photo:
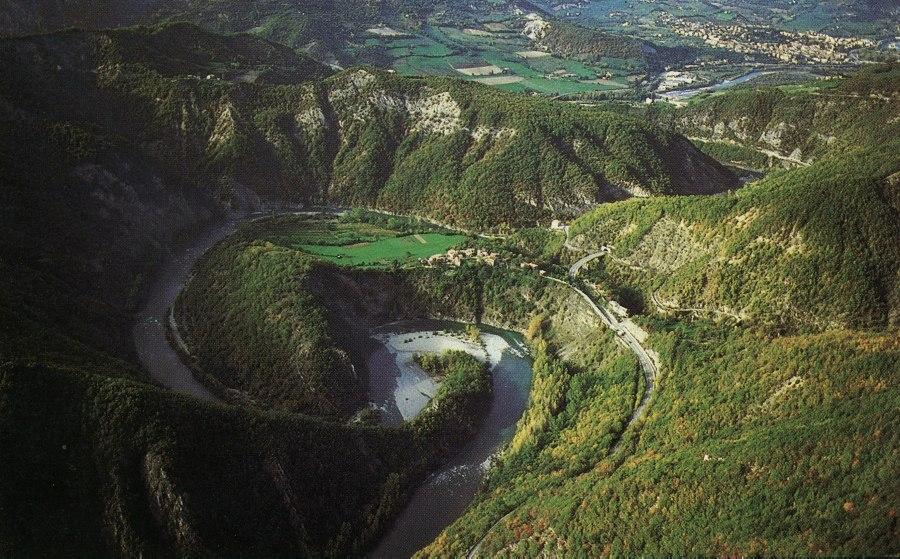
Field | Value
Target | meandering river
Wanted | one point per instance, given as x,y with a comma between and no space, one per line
397,387
446,494
153,349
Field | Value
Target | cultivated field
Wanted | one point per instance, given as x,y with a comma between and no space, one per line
488,70
528,54
500,80
370,242
384,31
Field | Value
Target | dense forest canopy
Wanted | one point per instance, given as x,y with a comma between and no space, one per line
772,309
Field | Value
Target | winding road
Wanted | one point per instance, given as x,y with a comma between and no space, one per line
625,336
648,364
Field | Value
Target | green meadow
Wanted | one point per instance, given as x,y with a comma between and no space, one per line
362,239
386,250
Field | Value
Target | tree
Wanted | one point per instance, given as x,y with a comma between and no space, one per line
536,327
473,333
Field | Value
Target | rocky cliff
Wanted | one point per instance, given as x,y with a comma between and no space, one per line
793,127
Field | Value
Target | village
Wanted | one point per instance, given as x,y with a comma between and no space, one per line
786,46
455,257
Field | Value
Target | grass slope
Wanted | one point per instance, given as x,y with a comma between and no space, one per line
752,445
809,249
385,251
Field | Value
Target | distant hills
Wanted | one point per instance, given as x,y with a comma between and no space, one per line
317,26
118,141
771,430
593,45
323,28
796,125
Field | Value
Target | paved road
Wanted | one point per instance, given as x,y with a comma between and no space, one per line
648,365
663,306
573,271
763,151
646,361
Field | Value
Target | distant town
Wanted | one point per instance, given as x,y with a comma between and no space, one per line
785,46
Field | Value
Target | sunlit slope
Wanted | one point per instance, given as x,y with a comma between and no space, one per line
751,445
810,249
773,426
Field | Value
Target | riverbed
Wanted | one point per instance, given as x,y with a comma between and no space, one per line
687,93
393,377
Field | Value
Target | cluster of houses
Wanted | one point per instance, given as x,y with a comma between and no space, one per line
455,257
787,46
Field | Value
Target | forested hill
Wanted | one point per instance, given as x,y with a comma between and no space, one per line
113,144
796,125
185,85
116,142
583,43
812,248
772,427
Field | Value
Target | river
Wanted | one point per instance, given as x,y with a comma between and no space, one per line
687,93
153,349
394,387
444,496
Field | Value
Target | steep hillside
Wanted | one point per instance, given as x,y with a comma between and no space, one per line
98,178
752,445
794,126
480,158
115,468
810,249
813,248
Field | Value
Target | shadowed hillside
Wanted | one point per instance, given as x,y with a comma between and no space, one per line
776,435
117,142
